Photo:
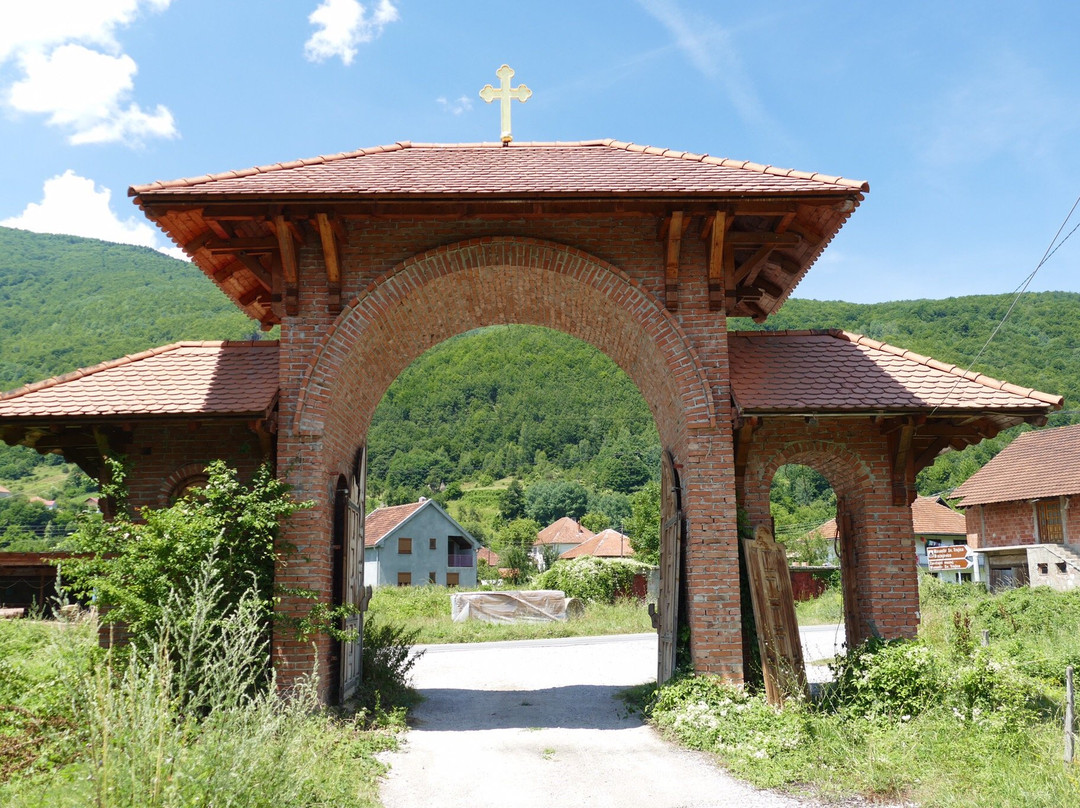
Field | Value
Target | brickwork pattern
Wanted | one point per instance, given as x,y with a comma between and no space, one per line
1005,524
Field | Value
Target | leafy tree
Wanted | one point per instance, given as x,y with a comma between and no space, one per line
512,501
549,500
643,526
136,565
520,534
595,521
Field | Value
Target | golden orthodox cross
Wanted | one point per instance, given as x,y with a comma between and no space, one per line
505,94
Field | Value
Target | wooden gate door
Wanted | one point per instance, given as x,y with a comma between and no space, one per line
355,594
845,537
671,541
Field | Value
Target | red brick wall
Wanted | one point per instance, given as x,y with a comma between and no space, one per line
161,454
1003,524
852,454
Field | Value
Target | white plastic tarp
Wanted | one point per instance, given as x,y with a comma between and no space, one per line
532,606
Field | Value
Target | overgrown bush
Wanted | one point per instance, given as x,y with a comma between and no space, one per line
891,677
598,580
388,660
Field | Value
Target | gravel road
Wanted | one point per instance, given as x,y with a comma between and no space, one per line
537,723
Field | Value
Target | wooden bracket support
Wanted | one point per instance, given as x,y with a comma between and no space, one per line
672,233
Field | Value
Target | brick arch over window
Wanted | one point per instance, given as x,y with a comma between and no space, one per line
880,580
453,289
185,477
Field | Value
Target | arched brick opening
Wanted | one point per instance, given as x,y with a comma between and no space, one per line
459,287
880,580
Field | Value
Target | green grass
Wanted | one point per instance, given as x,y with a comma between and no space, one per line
426,609
827,609
76,730
940,723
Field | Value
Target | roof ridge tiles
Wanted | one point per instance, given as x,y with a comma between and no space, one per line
188,182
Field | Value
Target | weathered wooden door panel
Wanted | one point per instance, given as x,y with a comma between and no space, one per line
354,594
774,612
671,541
849,572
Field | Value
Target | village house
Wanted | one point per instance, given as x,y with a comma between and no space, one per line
608,543
1023,512
415,544
558,537
367,259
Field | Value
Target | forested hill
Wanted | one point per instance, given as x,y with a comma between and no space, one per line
499,401
68,302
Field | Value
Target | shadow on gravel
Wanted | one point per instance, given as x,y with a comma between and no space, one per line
570,707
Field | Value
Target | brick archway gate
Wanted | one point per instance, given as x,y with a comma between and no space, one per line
455,288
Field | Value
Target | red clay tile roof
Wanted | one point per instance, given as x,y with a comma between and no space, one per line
1044,463
382,520
929,517
563,531
185,378
488,556
583,168
608,543
836,371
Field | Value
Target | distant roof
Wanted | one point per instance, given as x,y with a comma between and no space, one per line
185,378
488,556
836,371
608,543
382,520
929,517
1043,463
492,169
564,531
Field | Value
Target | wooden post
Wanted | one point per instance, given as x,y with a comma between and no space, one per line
986,638
1070,715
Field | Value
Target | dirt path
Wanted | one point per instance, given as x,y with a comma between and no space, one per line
537,723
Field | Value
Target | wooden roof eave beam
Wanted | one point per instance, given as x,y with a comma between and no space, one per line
328,235
715,230
744,439
902,455
671,233
286,239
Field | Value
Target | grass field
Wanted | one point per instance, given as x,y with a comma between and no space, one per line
426,609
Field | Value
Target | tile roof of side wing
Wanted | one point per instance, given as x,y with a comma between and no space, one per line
1038,464
184,378
771,371
559,168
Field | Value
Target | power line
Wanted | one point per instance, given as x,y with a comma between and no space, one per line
1052,248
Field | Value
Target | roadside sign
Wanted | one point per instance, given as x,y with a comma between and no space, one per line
948,558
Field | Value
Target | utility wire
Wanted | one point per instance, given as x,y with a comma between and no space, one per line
1052,248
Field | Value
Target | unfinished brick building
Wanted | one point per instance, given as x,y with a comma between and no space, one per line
368,259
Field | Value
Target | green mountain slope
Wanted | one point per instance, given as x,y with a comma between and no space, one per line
68,302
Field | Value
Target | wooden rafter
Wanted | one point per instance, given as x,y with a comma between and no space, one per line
901,449
287,251
753,237
226,246
672,233
752,266
715,230
329,240
744,439
256,268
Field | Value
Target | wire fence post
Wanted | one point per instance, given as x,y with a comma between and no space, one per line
1070,715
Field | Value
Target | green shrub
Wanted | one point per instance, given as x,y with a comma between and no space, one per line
593,579
388,659
888,677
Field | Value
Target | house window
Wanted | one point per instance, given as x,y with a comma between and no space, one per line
1048,516
433,577
404,579
404,546
1043,569
452,578
433,544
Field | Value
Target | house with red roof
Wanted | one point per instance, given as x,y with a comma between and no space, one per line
558,537
415,544
608,543
1023,512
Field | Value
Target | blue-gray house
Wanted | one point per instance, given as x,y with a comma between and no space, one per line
417,543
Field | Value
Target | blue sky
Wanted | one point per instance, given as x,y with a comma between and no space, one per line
964,117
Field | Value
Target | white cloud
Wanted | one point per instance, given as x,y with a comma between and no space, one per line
344,24
73,70
75,206
712,52
457,106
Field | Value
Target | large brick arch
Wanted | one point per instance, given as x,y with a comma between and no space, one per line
458,287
